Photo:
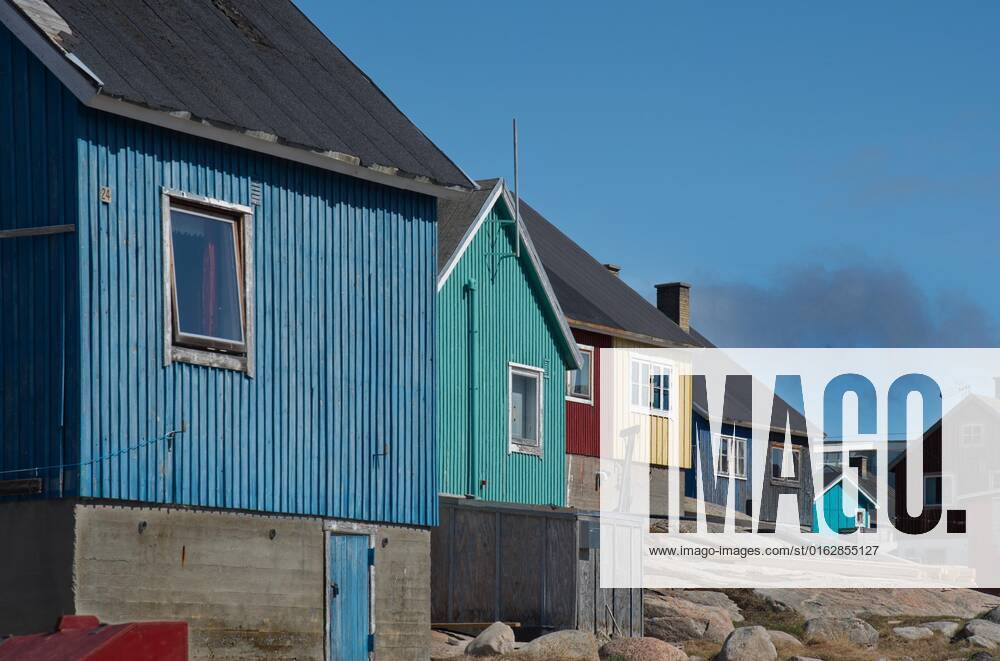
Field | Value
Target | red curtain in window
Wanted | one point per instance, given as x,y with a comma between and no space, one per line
209,293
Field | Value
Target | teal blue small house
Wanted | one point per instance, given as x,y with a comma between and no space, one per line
832,501
504,349
217,321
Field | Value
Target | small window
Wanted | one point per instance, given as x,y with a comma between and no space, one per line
650,383
580,383
207,281
972,435
526,409
779,472
859,519
994,480
932,491
732,457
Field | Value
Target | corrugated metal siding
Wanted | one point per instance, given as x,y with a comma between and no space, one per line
37,274
339,418
833,509
702,434
515,325
583,421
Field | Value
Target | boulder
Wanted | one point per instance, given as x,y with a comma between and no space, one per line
982,629
748,644
979,641
945,627
568,645
913,633
707,598
496,639
886,602
783,639
641,649
676,620
803,658
981,656
829,629
993,615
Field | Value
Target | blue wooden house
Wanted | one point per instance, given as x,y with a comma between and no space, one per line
217,320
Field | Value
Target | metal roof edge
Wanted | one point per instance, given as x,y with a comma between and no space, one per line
543,277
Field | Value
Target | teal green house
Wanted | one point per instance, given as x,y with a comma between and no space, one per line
503,351
831,500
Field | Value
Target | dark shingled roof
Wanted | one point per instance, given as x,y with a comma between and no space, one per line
456,216
250,65
588,293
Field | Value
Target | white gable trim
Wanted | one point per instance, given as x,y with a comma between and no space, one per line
546,285
470,234
501,190
843,477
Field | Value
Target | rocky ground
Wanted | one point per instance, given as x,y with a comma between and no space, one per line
768,625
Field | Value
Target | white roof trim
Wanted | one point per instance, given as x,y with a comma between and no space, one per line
843,476
498,190
86,87
546,285
470,234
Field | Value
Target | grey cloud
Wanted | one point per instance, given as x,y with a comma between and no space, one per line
845,306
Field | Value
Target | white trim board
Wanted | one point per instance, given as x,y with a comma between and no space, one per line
501,189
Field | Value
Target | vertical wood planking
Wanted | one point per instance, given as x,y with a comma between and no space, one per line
338,380
38,289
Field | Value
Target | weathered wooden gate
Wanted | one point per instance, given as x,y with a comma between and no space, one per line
536,565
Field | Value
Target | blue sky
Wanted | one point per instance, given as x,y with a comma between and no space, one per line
767,156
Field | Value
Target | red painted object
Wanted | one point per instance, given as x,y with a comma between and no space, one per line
583,421
83,637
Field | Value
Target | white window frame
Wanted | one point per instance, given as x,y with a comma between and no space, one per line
994,480
536,373
731,442
239,358
968,427
796,462
587,349
859,518
664,368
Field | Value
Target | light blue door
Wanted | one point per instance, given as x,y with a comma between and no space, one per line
348,597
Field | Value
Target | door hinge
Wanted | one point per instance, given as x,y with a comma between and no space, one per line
371,557
371,642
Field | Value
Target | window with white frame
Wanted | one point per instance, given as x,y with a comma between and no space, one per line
732,456
972,435
994,480
650,384
781,472
207,281
580,383
525,397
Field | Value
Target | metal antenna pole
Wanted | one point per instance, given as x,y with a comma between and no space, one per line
517,200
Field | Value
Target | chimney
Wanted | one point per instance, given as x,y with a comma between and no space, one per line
674,300
613,269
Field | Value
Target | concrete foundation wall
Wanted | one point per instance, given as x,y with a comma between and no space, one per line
660,492
249,585
581,482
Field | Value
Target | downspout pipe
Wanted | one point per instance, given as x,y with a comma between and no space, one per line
471,287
